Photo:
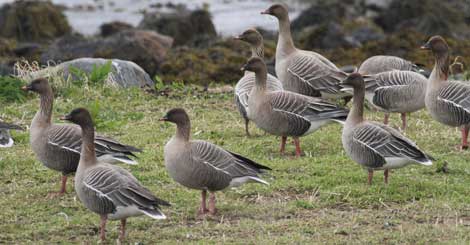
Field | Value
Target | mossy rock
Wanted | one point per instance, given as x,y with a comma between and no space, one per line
35,21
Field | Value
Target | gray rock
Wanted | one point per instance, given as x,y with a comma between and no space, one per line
123,74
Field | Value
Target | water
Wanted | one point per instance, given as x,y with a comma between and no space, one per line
231,17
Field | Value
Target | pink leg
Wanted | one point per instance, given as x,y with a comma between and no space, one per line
403,121
297,147
386,116
104,218
464,137
62,188
386,176
283,144
369,177
246,127
212,209
123,230
203,209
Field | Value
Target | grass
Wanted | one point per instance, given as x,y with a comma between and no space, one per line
319,198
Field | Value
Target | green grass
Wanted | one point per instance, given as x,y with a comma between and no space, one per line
320,198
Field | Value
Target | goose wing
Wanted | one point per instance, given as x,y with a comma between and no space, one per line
4,125
456,97
388,142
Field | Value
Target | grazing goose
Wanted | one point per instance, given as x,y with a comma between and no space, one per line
396,91
373,145
382,63
284,113
5,138
203,166
109,190
247,82
301,71
57,146
448,102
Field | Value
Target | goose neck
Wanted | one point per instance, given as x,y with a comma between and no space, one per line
356,114
285,44
257,51
46,105
183,130
88,155
440,71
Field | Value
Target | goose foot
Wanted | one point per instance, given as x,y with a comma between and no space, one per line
369,177
464,145
203,209
283,144
52,195
212,209
403,121
122,234
247,127
298,151
103,218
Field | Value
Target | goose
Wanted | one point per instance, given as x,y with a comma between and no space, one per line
396,91
247,82
201,165
5,138
382,63
457,68
57,146
373,145
448,102
302,71
285,113
109,190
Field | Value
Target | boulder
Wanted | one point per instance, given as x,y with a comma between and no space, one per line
326,36
146,48
194,28
32,21
108,29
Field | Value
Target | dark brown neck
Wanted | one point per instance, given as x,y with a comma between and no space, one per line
183,130
45,109
285,44
261,79
88,155
441,68
356,115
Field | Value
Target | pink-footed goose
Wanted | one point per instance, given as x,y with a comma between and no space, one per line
247,82
387,63
108,190
448,102
301,71
5,137
373,145
285,113
200,165
57,146
396,91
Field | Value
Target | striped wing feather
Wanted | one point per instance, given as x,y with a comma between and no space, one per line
456,98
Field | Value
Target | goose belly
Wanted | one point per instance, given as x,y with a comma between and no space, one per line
395,162
123,212
315,125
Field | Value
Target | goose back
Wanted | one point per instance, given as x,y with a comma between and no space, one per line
383,63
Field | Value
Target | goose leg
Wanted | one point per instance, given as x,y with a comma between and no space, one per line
203,209
386,116
464,137
369,177
123,230
104,218
63,188
246,127
283,144
297,147
403,121
212,209
386,176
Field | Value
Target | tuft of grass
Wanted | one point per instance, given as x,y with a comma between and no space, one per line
321,197
10,89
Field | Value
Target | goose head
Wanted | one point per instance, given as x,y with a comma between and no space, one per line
39,85
354,80
251,36
254,64
177,116
437,45
280,11
79,116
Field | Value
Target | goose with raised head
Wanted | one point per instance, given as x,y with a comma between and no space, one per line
396,92
373,145
109,190
5,137
247,82
57,146
201,165
285,113
448,102
300,71
383,63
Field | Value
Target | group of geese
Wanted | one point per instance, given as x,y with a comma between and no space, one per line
292,105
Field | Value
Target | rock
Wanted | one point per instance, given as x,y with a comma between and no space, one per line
193,28
108,29
363,30
124,73
32,21
326,36
146,48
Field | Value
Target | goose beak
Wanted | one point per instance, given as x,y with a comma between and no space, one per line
426,46
237,38
65,117
163,119
265,12
243,68
26,88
